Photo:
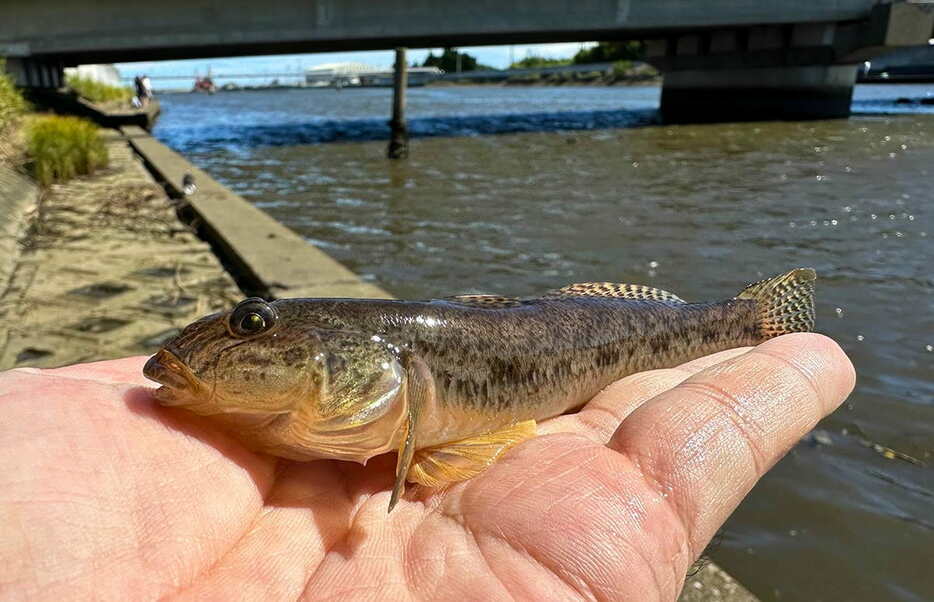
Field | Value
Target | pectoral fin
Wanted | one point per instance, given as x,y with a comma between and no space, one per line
461,460
420,389
403,463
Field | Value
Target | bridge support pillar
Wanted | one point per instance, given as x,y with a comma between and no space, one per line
752,94
30,72
789,71
399,132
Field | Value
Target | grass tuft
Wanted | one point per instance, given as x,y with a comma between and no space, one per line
96,91
12,103
61,148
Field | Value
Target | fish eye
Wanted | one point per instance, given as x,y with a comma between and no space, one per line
251,317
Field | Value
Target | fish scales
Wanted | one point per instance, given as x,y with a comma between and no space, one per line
450,384
531,354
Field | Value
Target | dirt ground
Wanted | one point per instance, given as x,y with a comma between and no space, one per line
106,270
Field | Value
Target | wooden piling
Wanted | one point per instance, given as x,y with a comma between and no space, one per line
399,134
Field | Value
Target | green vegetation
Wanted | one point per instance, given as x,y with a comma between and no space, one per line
448,60
96,91
611,51
537,62
12,104
621,69
61,148
531,78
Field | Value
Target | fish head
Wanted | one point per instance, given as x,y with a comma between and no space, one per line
264,358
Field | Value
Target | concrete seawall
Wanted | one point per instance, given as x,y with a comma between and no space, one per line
267,258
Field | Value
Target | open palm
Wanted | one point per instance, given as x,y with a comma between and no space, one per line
105,495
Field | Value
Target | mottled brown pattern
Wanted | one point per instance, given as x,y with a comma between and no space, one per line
543,353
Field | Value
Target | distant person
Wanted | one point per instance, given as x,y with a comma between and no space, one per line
147,89
140,91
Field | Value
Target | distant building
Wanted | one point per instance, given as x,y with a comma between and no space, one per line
418,76
361,74
337,74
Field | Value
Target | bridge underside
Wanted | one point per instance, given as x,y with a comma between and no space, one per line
779,60
116,30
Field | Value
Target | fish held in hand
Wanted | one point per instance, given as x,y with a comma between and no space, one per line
450,384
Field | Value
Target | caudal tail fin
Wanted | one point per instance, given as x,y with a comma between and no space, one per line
784,303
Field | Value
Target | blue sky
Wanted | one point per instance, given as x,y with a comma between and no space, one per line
496,56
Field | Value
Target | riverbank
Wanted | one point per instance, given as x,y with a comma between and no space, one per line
602,81
104,269
111,253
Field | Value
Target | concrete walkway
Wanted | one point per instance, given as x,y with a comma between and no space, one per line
106,270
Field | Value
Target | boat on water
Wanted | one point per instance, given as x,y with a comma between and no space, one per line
204,84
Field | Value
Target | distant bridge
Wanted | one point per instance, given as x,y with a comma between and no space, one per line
721,58
192,76
475,75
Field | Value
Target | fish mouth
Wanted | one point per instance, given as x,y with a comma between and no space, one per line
178,382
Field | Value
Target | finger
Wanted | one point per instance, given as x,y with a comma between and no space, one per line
128,370
600,418
704,443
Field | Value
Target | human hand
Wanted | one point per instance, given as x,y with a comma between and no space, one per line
105,495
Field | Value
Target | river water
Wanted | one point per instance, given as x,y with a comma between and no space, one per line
519,190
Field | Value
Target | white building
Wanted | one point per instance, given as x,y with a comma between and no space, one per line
343,74
105,74
361,74
417,76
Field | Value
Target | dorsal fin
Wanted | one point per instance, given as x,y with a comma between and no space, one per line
487,301
612,289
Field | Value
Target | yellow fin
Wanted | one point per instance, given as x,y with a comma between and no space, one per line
784,303
612,289
487,301
461,460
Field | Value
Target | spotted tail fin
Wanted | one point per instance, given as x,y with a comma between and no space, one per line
784,303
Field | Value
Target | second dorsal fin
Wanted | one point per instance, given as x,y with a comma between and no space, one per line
487,301
612,289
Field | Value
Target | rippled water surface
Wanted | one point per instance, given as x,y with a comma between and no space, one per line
518,190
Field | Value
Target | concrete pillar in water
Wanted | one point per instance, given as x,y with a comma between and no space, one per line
791,71
780,92
399,133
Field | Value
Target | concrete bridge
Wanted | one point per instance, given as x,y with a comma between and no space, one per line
721,58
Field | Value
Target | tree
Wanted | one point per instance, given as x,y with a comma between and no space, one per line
605,52
536,62
447,62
